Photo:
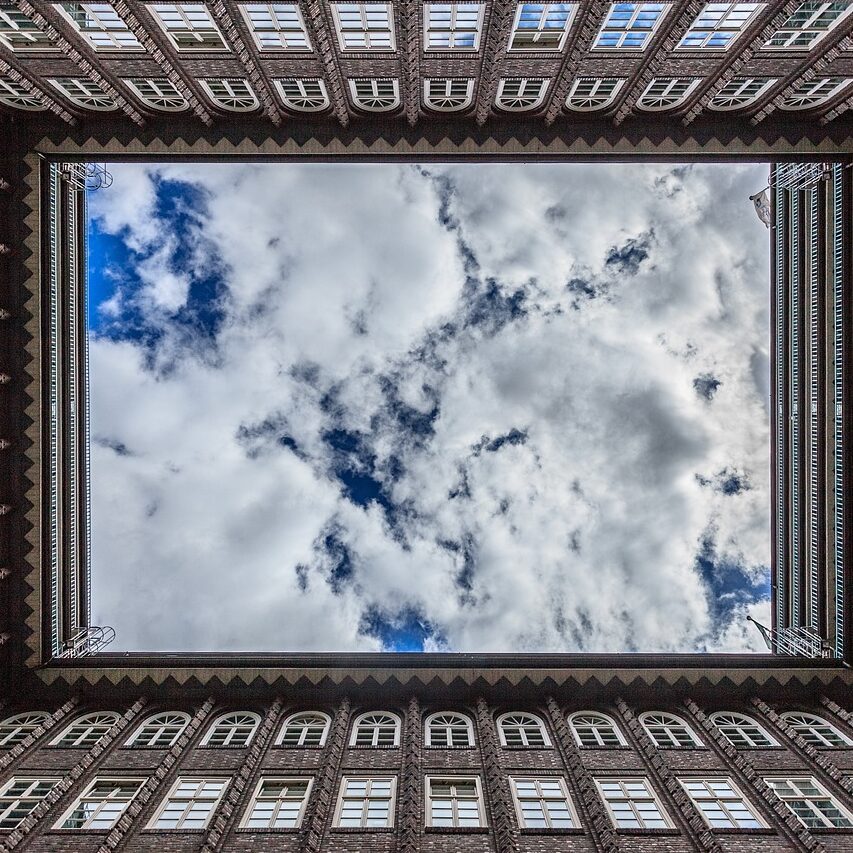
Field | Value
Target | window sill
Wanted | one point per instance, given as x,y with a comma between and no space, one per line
457,830
831,830
360,830
630,831
528,748
529,830
395,746
742,830
268,830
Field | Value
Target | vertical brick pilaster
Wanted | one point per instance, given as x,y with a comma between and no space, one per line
495,39
321,35
410,52
56,718
411,793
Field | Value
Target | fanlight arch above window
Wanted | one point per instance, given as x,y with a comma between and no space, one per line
518,94
307,728
161,729
449,729
448,95
740,92
376,728
87,730
667,730
741,731
593,729
15,729
83,93
303,95
666,93
374,95
158,93
521,729
809,94
13,94
231,94
593,93
235,729
817,731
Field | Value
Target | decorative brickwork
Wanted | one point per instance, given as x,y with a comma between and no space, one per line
499,20
319,31
410,827
410,52
836,709
57,718
12,69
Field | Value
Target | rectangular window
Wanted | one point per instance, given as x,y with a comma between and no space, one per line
543,803
19,796
810,803
276,26
364,26
629,26
722,804
452,26
807,25
190,804
189,26
278,804
100,25
366,801
18,32
718,24
101,804
541,26
632,804
454,801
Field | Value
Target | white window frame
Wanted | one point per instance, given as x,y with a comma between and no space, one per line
294,718
541,29
156,83
84,720
452,29
544,84
723,25
741,720
626,31
794,32
369,778
670,721
366,31
743,82
300,82
841,83
543,730
356,98
605,721
653,796
463,718
101,27
712,796
181,9
281,29
793,781
211,730
620,82
25,796
353,740
155,720
104,103
17,723
100,803
227,82
812,720
672,82
542,799
428,96
37,38
245,823
450,779
181,780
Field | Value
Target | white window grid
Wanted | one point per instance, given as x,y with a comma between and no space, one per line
303,95
592,729
593,93
449,729
189,804
807,25
189,26
721,804
366,802
448,95
543,803
718,25
518,94
375,95
19,796
453,26
740,92
666,93
235,729
307,728
810,802
633,804
630,26
667,730
364,26
83,92
742,732
234,95
87,730
815,730
276,26
20,726
101,804
18,32
100,25
812,93
522,730
376,728
160,730
541,26
454,801
158,93
278,803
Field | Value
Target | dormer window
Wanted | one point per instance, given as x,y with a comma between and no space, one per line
593,93
740,92
304,96
665,93
375,96
517,94
100,25
809,94
276,26
541,26
83,92
629,26
448,95
452,26
364,26
718,25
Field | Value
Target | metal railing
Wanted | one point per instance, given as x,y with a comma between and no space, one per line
800,176
88,641
797,641
86,176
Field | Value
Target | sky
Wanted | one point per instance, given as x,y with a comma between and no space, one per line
461,407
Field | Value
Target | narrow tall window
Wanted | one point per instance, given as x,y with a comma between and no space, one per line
809,94
817,731
448,95
277,804
306,729
189,26
808,24
366,801
378,728
87,730
593,93
595,730
810,802
449,730
101,804
667,730
722,804
665,93
160,730
158,93
518,729
100,25
453,26
236,730
190,804
304,96
375,96
364,26
15,729
741,731
632,804
718,25
233,95
541,26
276,26
454,801
543,803
740,92
629,26
518,94
19,796
18,32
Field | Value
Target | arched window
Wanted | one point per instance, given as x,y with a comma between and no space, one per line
593,93
816,730
668,730
740,92
87,730
741,731
448,95
447,728
15,729
158,93
518,729
13,94
233,95
376,96
517,94
376,728
809,94
594,729
665,93
308,728
83,93
304,96
160,730
235,729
